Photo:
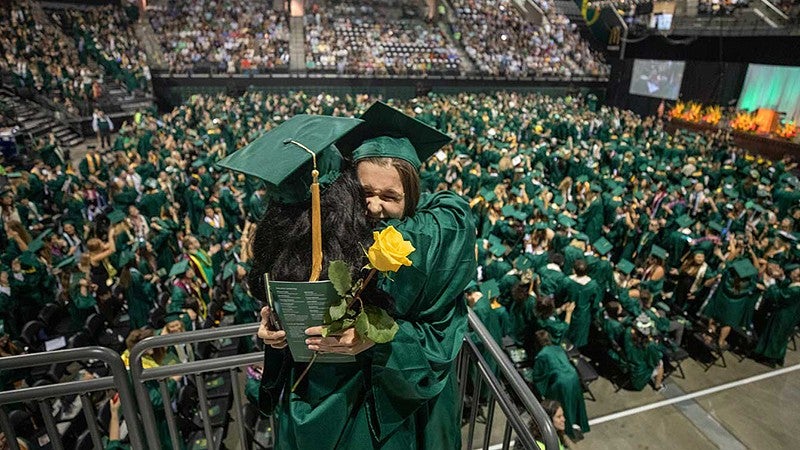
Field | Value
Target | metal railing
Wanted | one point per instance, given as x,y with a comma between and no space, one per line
140,375
480,385
506,388
118,380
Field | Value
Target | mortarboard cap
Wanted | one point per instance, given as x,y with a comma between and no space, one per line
507,211
66,262
173,316
523,263
684,221
151,183
286,166
488,195
716,226
498,249
566,220
387,132
625,266
229,270
125,257
744,268
658,252
490,289
116,216
179,268
472,286
602,246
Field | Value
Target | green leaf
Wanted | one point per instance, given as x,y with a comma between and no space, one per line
339,274
381,326
338,310
362,324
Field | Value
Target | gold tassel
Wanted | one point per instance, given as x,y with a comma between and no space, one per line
316,216
316,229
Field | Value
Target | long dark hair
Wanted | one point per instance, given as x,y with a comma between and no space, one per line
550,407
282,242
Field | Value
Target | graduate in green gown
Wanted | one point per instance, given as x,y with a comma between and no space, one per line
782,301
642,355
556,378
401,394
586,294
733,303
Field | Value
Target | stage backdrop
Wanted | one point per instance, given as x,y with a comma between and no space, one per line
772,87
707,82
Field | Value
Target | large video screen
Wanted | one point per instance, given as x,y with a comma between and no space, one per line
656,78
772,87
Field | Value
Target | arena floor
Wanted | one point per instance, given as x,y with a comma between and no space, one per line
751,414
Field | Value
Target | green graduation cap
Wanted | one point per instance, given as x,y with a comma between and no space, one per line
116,216
744,268
173,316
625,266
716,226
229,270
571,207
566,220
229,307
684,221
508,211
488,195
602,246
522,216
199,162
37,243
490,289
523,263
66,262
658,252
125,257
28,258
472,286
730,193
151,183
541,225
283,156
387,132
581,237
498,250
179,268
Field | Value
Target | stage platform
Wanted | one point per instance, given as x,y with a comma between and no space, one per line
767,146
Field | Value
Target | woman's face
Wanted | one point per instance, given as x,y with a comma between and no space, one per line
559,421
699,258
383,190
174,327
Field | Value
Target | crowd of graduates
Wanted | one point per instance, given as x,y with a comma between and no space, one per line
501,42
226,36
107,35
376,37
599,232
71,74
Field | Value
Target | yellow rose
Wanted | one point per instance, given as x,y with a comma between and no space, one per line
389,251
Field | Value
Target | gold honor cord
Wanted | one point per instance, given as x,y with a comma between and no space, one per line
585,13
316,216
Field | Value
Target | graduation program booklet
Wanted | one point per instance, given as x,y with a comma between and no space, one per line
301,305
